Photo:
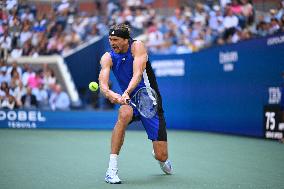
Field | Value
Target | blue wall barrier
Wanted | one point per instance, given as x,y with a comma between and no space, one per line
84,67
38,119
220,89
57,119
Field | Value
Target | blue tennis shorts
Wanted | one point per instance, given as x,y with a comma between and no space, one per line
155,126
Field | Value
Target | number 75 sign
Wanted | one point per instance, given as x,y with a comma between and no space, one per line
272,122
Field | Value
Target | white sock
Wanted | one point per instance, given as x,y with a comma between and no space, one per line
113,161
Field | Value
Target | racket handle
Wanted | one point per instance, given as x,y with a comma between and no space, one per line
130,103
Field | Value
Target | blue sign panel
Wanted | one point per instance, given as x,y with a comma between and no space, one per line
220,89
59,119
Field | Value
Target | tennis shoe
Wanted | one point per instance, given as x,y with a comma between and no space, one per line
112,176
165,166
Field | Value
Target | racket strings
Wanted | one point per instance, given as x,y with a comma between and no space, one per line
147,103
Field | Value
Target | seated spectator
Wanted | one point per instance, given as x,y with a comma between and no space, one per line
27,15
4,88
15,80
27,49
35,80
25,35
230,23
5,44
280,11
17,52
155,39
274,26
215,19
18,93
56,44
14,67
29,100
27,73
49,79
247,11
41,96
59,100
8,102
3,76
236,7
262,27
73,39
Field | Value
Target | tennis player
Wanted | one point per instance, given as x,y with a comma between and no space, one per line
128,59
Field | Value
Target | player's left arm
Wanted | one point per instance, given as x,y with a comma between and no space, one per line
140,55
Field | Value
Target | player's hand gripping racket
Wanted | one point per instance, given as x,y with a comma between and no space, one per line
145,101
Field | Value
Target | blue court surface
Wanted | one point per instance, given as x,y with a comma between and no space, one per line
78,159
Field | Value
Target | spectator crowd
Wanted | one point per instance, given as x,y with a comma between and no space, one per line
191,28
24,87
26,31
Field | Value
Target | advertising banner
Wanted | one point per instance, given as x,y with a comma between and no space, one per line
32,119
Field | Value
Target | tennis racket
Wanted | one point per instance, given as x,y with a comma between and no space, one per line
145,100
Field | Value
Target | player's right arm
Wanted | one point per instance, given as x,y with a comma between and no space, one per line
106,64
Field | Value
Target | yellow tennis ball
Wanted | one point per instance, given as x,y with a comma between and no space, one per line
93,86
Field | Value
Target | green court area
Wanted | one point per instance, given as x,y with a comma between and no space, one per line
78,159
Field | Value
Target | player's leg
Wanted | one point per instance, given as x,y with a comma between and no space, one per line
156,131
124,117
118,133
160,150
160,153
